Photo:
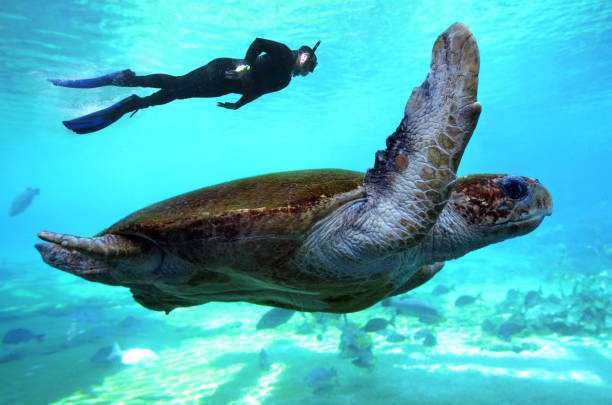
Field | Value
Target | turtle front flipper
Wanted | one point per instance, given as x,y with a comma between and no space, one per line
413,177
109,259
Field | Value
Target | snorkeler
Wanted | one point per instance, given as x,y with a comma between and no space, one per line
252,77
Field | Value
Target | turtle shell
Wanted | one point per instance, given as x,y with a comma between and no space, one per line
251,222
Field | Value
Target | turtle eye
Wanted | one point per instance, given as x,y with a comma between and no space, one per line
514,187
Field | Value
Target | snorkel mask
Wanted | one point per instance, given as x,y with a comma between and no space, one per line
311,62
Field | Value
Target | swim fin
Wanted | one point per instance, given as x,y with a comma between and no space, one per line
101,119
115,78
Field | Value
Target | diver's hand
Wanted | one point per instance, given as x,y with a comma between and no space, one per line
237,73
229,106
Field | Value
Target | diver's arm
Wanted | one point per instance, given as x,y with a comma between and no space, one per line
260,45
243,100
237,73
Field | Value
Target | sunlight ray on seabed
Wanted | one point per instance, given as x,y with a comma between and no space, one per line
467,359
185,375
182,376
582,376
263,388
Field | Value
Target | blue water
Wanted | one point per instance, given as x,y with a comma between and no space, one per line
546,90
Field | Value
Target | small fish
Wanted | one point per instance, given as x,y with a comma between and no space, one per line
532,298
421,333
376,324
321,379
20,335
23,201
465,300
562,328
425,312
512,295
488,327
441,290
395,337
105,355
507,329
274,317
429,339
354,341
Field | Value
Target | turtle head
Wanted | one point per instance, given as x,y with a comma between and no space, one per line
498,207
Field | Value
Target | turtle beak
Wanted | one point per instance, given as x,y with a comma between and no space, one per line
539,204
543,199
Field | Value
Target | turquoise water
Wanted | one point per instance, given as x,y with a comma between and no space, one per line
546,90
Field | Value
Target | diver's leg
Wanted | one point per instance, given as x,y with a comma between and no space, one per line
101,119
206,81
157,81
106,80
160,97
124,78
210,80
195,78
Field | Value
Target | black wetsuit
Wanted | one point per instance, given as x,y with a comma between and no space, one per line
268,73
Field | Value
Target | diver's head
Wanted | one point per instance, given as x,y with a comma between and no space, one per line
306,60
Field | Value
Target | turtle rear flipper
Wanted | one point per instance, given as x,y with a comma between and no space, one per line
109,259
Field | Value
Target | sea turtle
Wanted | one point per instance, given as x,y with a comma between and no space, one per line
323,240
